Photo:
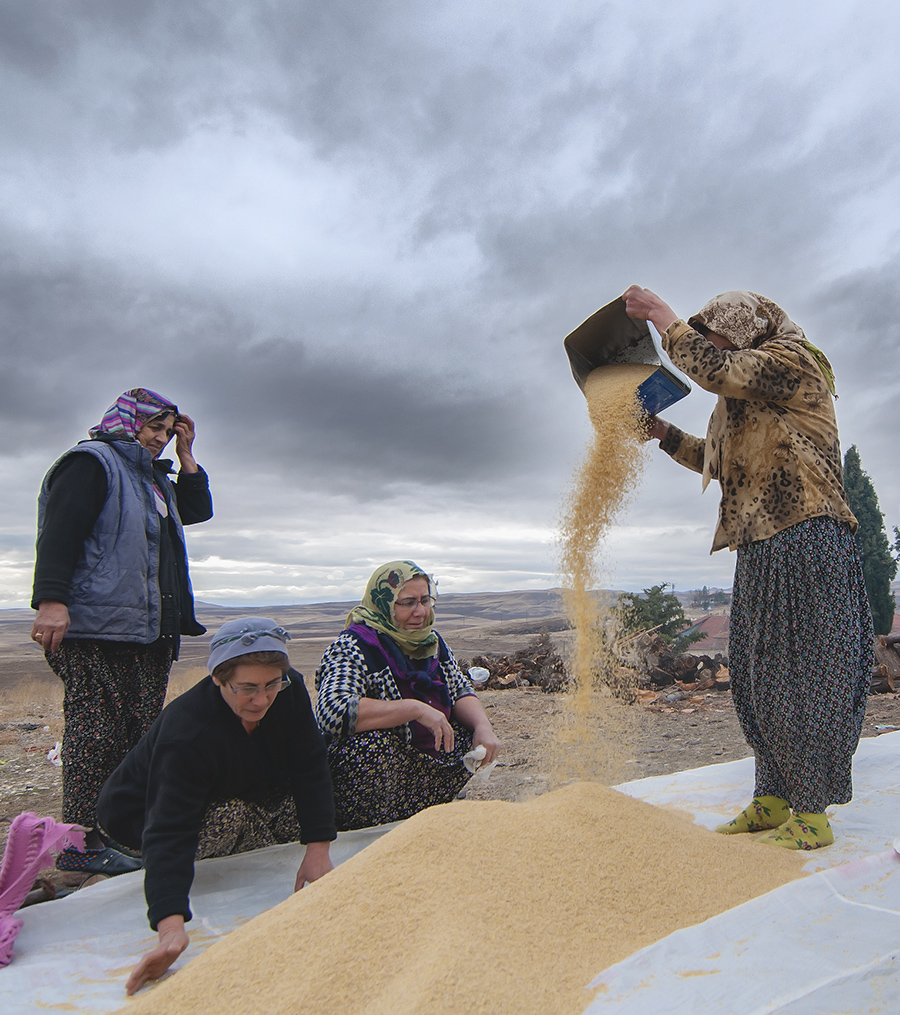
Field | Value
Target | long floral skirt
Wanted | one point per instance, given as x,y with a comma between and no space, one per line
113,692
378,778
237,826
800,654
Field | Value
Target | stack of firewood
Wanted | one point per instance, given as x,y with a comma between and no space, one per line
648,664
657,666
886,672
538,665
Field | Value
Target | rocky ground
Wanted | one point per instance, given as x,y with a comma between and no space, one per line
667,738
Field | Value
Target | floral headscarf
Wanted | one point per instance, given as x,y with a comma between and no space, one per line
748,320
376,609
130,412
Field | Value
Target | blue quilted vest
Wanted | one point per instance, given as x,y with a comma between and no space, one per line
114,595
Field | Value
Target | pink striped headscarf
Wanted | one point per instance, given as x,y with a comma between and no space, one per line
130,412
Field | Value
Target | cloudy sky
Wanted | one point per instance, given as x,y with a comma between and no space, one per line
348,238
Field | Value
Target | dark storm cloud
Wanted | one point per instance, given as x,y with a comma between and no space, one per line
340,416
374,83
864,313
351,425
500,170
159,68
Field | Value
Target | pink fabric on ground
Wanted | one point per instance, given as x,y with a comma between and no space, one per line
28,851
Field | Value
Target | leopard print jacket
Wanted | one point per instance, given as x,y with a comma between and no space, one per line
772,441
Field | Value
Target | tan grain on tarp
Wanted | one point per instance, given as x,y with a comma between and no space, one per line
478,907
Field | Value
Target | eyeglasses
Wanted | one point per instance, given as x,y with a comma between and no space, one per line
411,603
251,690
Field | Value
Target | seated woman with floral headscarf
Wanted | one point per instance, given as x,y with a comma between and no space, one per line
396,710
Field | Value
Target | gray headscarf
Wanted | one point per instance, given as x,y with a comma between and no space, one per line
248,634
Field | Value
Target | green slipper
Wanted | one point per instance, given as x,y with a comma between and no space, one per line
761,813
801,831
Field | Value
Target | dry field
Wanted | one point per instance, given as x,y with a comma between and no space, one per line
682,735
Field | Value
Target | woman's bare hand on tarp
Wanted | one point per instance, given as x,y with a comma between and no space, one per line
173,940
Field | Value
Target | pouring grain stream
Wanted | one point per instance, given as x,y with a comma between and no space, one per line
591,727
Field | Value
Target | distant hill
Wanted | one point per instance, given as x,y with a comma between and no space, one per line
325,620
453,609
313,620
313,625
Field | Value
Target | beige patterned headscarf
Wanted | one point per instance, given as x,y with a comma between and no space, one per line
745,319
748,320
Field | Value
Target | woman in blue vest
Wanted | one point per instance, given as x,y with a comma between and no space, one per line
112,591
397,712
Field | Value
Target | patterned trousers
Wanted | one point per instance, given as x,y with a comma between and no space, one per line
113,692
378,778
237,826
800,654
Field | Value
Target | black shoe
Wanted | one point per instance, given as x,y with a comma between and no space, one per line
111,862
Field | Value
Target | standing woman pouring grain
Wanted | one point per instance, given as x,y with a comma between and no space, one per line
800,645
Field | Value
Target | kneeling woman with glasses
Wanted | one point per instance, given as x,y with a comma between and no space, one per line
397,712
233,764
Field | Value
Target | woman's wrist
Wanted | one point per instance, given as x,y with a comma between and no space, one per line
170,924
663,318
318,848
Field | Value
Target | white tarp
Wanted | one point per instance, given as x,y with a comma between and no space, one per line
75,954
827,944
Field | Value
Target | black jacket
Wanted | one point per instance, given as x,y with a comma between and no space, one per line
198,753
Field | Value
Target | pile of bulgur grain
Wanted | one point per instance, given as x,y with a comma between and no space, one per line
478,907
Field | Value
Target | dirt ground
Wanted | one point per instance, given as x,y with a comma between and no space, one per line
668,738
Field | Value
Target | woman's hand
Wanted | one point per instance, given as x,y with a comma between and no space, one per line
656,428
470,712
436,724
50,625
315,864
486,737
184,442
647,306
173,940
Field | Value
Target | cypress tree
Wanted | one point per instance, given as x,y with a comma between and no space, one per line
879,566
